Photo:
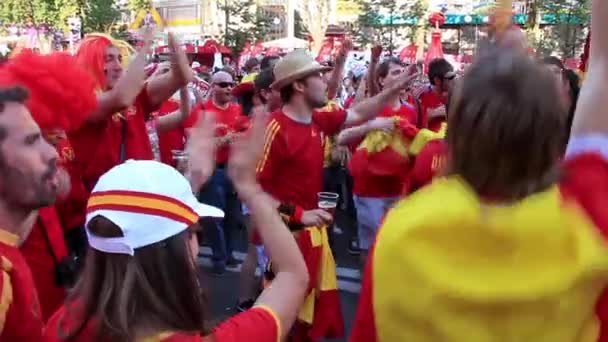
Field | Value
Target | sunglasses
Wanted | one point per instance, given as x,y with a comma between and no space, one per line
225,84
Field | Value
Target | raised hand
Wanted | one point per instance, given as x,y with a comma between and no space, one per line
245,153
376,52
201,151
179,61
347,46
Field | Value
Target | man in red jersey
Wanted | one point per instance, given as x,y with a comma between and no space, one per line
28,181
55,109
117,131
218,191
381,162
432,100
291,171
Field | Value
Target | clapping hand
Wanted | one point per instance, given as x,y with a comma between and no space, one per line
201,151
245,154
179,61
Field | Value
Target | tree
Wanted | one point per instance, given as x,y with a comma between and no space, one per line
380,19
315,16
300,30
138,5
239,23
570,19
98,15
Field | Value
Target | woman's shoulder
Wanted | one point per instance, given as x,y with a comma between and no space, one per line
257,324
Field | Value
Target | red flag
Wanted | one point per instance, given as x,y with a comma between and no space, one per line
408,54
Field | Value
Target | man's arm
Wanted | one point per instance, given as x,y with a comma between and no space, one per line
349,135
369,108
163,87
336,75
125,91
372,85
173,120
589,118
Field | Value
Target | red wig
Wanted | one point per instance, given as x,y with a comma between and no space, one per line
62,94
91,53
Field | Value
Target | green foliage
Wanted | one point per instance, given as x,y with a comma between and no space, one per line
568,34
240,23
377,22
138,5
300,30
99,15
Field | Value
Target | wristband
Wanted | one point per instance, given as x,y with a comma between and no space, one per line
291,213
297,215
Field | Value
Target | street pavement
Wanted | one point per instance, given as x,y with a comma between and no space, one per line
222,291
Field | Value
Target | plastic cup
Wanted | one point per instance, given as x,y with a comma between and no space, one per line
328,201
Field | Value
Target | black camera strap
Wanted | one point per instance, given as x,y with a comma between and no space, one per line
46,239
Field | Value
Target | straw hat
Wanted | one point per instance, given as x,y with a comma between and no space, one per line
294,66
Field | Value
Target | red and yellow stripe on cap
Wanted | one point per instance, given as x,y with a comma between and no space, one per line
142,203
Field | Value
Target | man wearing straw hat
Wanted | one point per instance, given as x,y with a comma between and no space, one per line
291,171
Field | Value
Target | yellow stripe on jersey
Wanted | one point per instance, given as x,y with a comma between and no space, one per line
271,132
6,297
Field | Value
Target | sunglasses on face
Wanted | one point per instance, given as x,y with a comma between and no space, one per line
225,84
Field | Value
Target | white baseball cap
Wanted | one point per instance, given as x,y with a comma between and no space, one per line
148,200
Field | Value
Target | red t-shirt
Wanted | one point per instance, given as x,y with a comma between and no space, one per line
428,100
257,325
430,162
20,316
291,169
42,260
369,183
173,139
98,145
228,120
585,182
72,209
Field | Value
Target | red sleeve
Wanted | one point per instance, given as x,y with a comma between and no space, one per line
193,118
144,103
364,326
257,324
330,122
429,162
585,180
274,151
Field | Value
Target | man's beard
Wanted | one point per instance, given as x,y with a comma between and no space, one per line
17,185
316,103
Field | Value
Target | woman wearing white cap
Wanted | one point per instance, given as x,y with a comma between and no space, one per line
140,281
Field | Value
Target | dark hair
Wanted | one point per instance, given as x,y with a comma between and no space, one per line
574,81
11,94
126,296
246,102
505,128
267,61
552,60
287,92
384,67
264,79
250,64
438,68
